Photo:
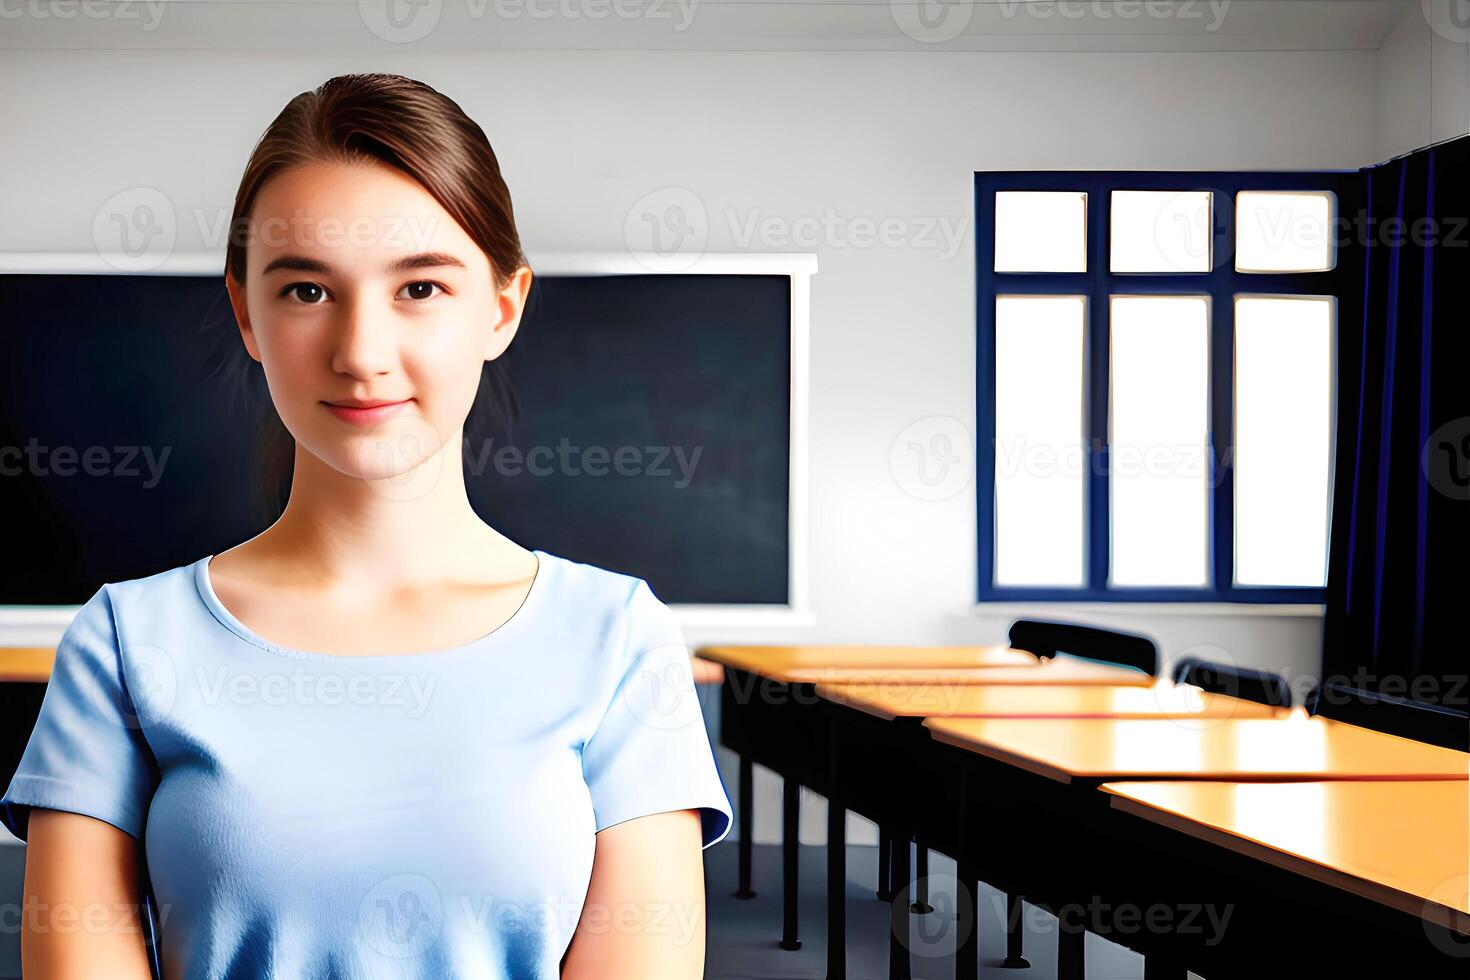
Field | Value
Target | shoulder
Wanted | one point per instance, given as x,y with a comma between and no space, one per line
596,587
123,616
631,616
145,597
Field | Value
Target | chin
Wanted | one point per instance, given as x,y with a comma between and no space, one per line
404,459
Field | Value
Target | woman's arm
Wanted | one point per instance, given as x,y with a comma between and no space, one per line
644,918
83,913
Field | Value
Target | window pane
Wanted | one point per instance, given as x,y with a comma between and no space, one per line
1160,231
1040,231
1283,439
1039,486
1284,231
1159,427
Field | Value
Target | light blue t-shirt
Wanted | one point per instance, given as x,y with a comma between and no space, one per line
416,815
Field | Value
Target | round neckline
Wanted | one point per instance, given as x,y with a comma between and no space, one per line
227,619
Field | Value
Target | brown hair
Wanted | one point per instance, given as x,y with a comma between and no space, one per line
409,126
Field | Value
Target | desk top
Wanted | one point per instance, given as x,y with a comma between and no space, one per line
1162,699
33,665
1402,844
26,664
1043,673
781,662
1235,749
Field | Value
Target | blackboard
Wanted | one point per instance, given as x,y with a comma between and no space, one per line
652,431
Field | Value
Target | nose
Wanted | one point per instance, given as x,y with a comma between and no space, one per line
366,341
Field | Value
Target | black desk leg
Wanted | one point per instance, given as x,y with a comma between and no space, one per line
1071,947
898,934
836,890
967,946
790,825
1015,935
921,904
885,864
747,825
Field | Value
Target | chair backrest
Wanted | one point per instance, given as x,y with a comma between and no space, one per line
1106,646
1261,686
1398,716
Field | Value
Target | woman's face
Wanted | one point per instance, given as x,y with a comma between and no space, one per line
360,289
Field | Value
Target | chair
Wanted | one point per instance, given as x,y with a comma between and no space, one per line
1431,723
1260,686
1046,640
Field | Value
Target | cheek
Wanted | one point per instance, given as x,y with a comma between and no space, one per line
447,363
293,361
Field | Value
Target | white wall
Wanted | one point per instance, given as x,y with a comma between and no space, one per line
1424,78
774,137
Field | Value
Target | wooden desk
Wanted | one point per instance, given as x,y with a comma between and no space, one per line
931,699
811,663
1402,844
1049,837
1297,747
30,665
33,665
1039,673
1034,772
879,666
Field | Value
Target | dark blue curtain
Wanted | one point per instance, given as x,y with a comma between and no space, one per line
1398,603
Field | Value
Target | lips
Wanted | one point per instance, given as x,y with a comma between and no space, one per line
366,412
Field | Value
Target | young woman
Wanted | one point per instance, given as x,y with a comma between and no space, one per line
379,739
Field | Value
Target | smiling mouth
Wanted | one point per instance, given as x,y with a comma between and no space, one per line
366,413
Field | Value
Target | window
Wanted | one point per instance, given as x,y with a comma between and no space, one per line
1038,402
1158,439
1155,383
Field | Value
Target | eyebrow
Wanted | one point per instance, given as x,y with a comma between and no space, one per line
423,260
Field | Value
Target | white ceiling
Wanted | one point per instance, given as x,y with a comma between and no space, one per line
731,25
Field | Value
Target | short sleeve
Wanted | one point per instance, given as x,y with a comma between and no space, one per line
650,753
87,753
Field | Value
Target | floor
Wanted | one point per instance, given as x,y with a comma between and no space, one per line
743,934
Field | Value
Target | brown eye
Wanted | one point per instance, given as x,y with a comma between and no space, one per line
305,292
422,289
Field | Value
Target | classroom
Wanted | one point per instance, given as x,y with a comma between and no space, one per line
761,489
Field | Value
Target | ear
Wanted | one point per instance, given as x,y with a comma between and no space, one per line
510,303
242,314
